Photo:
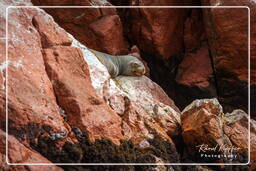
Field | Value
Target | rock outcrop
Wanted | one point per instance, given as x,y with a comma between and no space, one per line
97,28
155,30
63,106
205,126
228,43
58,92
137,100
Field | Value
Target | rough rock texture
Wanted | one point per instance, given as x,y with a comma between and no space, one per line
63,104
195,77
32,106
236,128
144,107
18,153
156,30
195,69
97,28
71,81
203,122
194,31
52,100
228,40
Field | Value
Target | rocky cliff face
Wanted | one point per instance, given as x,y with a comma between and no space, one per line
63,106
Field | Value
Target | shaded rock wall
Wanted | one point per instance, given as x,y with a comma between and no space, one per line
228,40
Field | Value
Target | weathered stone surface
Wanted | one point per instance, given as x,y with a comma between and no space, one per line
69,75
56,83
49,38
204,123
97,28
18,153
227,32
32,107
144,107
195,69
236,128
34,102
194,32
195,77
157,31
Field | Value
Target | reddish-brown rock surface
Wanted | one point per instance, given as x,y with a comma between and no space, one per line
59,93
50,93
195,69
204,123
18,153
155,30
32,107
97,28
228,40
70,77
195,76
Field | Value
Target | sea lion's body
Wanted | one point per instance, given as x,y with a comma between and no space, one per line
120,65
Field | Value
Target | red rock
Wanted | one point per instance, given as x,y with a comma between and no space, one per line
157,31
97,28
3,65
18,153
227,31
195,74
236,128
195,69
203,122
48,37
108,30
194,30
69,75
147,104
32,106
144,107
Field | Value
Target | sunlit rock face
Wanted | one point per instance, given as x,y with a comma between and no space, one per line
205,124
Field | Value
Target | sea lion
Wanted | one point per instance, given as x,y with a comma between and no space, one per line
120,65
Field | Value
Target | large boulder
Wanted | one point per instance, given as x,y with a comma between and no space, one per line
97,28
205,126
43,99
32,106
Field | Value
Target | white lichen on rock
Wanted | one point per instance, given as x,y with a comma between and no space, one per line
139,90
3,67
199,102
234,116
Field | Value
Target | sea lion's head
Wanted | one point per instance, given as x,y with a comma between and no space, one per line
136,68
